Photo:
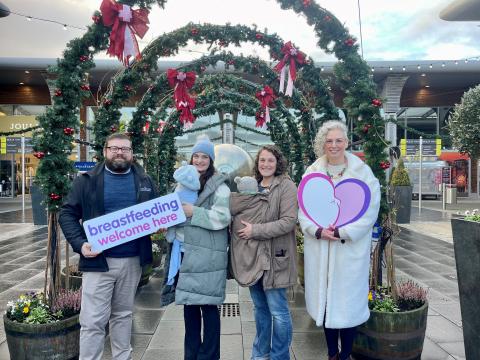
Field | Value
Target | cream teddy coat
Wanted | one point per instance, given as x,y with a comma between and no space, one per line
336,274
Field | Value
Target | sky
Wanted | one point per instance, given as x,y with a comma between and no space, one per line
392,29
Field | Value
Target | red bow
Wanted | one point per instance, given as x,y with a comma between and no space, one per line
186,115
291,57
126,23
181,82
260,117
266,97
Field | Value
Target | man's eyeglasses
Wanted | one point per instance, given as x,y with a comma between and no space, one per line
115,149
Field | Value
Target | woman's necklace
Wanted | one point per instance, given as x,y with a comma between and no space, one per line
337,175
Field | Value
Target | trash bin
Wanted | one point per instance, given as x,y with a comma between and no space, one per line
39,212
451,194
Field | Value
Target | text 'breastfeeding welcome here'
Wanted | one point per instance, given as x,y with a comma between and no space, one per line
119,227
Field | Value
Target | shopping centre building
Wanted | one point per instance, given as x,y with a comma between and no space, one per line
417,94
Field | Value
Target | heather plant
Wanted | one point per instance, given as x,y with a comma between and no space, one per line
410,295
67,303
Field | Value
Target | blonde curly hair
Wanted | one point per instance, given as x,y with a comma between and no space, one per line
322,134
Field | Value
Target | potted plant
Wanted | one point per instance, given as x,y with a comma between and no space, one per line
36,330
300,258
466,244
74,275
401,193
398,312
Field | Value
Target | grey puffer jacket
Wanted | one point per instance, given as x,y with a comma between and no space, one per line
203,272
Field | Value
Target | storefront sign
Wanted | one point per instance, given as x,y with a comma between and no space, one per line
14,145
430,147
119,227
84,165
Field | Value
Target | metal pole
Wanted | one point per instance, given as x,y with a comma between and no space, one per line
444,194
23,176
360,22
420,177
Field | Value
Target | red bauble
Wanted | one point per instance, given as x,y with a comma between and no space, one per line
39,154
327,18
96,19
194,31
107,102
259,36
231,62
376,102
366,128
85,87
113,129
222,43
128,88
83,58
307,3
54,196
349,42
68,131
58,92
384,164
203,68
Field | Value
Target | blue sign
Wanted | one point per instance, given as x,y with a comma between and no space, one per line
84,165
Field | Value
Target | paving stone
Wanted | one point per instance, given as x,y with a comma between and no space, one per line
440,329
231,347
147,300
164,354
139,344
231,299
244,294
248,327
146,321
431,351
302,322
232,287
231,326
456,349
20,275
4,353
246,311
309,346
169,336
5,285
173,313
450,311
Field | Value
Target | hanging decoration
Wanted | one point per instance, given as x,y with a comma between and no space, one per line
181,82
126,25
267,99
292,57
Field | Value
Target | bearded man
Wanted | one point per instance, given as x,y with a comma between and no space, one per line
110,278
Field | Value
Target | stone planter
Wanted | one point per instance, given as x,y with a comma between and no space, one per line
401,197
59,341
466,243
157,260
388,336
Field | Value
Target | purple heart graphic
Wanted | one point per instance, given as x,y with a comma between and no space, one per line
326,204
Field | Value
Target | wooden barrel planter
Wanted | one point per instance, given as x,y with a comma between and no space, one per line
75,278
392,336
59,340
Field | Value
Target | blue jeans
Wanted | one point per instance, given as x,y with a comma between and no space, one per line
271,306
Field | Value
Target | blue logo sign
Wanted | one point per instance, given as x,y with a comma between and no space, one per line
84,165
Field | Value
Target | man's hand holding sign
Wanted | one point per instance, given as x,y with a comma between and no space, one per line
119,227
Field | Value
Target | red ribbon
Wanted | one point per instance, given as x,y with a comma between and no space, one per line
260,117
181,82
186,116
126,23
267,98
291,57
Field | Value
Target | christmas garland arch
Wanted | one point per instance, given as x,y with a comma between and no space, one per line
60,121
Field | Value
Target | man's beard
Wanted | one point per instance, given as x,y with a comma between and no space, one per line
118,164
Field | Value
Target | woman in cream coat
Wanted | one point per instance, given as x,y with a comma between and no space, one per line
337,260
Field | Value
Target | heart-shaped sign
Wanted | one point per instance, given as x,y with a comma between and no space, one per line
326,204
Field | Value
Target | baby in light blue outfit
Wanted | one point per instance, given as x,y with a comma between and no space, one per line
188,184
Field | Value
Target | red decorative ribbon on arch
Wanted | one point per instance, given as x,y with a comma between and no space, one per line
181,82
266,98
125,23
291,57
